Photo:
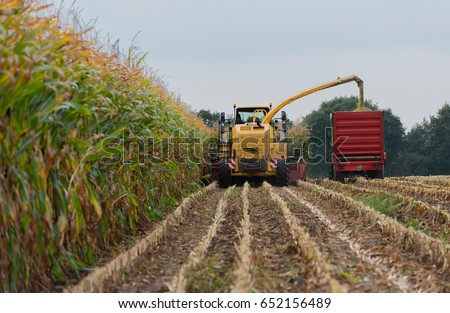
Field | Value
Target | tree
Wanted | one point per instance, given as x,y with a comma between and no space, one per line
413,163
209,118
438,148
394,142
428,146
416,140
319,120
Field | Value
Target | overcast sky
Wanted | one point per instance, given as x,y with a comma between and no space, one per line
216,53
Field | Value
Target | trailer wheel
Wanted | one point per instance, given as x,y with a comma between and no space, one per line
378,174
338,176
224,175
331,172
282,178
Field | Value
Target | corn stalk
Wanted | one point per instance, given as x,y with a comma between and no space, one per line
242,274
69,187
416,183
413,191
382,264
124,261
440,181
312,255
178,283
428,249
436,214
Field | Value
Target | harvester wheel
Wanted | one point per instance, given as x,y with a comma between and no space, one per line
331,172
224,175
282,173
338,176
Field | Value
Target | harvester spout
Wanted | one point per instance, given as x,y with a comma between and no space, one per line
338,81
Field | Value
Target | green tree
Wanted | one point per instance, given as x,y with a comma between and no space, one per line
428,146
319,120
394,142
438,147
416,139
413,163
209,118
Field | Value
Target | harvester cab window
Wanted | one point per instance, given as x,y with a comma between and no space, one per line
245,115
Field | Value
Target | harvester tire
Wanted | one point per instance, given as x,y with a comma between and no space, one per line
331,172
282,178
338,176
224,175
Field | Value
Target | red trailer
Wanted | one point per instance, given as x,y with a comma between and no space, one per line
357,145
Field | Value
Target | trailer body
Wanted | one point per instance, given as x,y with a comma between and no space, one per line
357,144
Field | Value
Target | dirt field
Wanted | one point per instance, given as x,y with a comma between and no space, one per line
371,236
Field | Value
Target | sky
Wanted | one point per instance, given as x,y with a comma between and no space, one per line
216,53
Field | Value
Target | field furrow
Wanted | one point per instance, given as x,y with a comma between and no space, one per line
437,181
276,256
214,272
315,268
196,255
155,269
313,237
351,266
242,274
429,219
94,282
421,260
417,183
430,195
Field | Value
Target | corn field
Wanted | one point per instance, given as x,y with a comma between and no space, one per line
85,209
66,201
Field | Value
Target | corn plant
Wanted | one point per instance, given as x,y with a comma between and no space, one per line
64,200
